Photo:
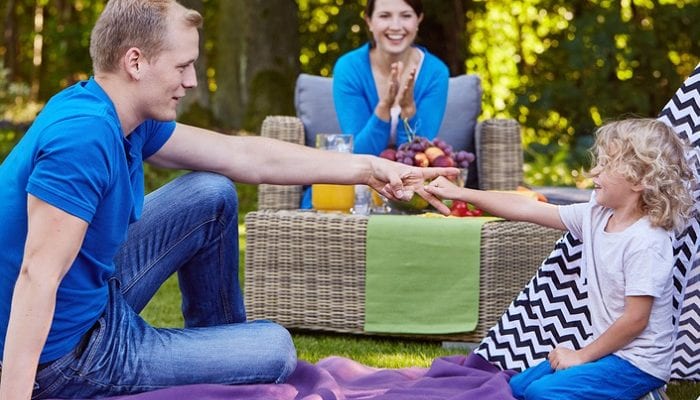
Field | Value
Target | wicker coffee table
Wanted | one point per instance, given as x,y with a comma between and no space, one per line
306,270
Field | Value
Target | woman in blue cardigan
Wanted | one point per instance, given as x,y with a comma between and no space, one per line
389,85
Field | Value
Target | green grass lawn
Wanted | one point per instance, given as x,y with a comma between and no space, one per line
164,310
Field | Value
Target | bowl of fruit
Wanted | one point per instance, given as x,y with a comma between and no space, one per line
422,152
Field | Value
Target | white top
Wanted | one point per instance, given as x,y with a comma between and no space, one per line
637,261
395,111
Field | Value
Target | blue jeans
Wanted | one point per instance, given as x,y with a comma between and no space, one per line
610,377
189,226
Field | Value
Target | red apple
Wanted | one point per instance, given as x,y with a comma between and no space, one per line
442,161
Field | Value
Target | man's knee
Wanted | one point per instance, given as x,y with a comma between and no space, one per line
218,190
211,185
280,350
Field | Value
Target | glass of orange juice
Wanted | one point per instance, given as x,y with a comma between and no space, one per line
329,197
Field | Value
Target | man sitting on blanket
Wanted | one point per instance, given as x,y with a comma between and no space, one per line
83,253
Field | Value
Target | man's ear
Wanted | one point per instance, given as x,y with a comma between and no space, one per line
132,60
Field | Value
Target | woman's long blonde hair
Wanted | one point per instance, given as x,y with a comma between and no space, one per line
648,152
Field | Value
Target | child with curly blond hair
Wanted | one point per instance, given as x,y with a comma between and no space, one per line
642,192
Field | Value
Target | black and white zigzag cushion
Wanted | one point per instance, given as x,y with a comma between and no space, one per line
683,114
552,309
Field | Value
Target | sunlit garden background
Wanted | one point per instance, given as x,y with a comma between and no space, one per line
560,68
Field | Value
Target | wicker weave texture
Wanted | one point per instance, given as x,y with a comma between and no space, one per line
289,129
281,197
499,155
306,270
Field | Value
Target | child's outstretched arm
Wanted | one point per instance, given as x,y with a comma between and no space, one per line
630,325
505,205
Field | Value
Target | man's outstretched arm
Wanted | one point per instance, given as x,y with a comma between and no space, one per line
252,159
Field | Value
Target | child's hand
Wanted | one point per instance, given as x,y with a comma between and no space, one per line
563,358
443,188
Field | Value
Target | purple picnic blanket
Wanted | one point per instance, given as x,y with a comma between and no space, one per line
337,378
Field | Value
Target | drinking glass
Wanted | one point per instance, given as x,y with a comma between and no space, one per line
329,197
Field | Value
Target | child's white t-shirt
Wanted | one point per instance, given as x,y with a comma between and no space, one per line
636,261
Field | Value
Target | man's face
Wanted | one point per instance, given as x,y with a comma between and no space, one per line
166,78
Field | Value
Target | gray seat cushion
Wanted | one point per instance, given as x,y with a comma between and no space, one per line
463,109
313,99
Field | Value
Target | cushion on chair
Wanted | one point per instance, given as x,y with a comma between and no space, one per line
313,99
463,109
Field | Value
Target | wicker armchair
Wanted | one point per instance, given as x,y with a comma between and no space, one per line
291,279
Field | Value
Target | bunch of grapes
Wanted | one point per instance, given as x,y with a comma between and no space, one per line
423,153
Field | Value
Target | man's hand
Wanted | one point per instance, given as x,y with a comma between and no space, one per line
398,181
563,358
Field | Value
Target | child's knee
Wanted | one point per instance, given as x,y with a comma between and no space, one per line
518,386
521,382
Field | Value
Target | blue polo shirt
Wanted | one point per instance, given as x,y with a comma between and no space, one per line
75,157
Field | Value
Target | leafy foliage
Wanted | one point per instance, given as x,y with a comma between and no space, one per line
328,29
561,68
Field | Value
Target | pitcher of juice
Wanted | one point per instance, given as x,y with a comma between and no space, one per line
328,197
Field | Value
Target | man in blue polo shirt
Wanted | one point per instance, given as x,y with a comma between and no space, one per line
82,252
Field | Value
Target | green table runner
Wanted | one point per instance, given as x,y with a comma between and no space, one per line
422,274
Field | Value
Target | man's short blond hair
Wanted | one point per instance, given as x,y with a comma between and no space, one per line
124,24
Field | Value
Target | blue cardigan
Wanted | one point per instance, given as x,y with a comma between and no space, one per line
355,96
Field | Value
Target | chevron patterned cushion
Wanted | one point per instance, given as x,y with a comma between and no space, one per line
552,310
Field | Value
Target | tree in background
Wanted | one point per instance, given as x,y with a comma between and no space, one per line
256,61
559,67
45,42
330,28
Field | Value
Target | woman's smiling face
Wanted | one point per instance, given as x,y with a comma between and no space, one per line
394,25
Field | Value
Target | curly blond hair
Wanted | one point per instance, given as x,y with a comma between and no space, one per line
133,23
649,153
